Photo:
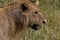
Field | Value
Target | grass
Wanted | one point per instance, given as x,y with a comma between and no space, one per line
50,31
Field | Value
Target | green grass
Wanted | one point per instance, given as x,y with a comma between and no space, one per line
50,31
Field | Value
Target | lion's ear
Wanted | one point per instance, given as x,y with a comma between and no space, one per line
24,7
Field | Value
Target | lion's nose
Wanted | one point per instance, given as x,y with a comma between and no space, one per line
44,21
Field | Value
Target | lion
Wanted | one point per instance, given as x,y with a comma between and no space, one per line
18,16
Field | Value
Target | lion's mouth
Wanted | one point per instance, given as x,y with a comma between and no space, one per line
35,26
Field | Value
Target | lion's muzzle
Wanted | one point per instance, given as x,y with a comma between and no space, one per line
35,26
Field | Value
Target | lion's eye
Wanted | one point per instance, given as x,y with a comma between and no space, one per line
33,1
36,12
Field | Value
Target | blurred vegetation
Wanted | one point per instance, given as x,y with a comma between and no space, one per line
50,31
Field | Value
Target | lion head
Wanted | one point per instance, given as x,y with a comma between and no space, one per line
33,16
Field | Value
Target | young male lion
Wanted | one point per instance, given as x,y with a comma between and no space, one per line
17,17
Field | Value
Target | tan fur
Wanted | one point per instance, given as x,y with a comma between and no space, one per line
13,19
